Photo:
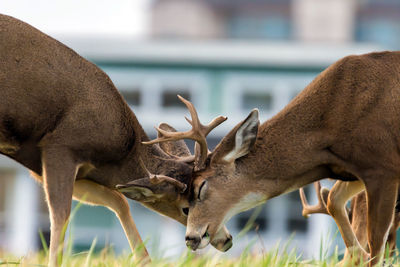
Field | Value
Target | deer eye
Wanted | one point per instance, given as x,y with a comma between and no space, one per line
185,211
202,190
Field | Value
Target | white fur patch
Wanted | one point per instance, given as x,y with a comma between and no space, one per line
249,201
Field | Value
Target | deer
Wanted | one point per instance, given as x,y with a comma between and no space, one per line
63,119
351,222
343,125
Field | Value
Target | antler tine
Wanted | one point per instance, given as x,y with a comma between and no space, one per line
198,133
167,136
188,120
214,123
205,129
144,167
318,208
193,113
157,179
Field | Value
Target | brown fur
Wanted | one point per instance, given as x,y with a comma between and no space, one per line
62,118
343,124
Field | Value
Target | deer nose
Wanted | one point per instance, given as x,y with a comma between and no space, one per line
193,242
224,245
228,244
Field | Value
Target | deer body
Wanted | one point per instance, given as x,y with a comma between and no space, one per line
63,119
344,125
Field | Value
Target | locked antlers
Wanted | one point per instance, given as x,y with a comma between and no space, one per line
198,133
159,178
153,187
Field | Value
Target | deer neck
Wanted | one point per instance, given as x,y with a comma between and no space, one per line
290,150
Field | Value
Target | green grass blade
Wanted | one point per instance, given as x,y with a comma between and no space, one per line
44,243
90,254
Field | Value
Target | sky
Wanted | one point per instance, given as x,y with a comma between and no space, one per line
82,17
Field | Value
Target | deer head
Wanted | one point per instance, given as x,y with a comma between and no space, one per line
166,194
198,133
211,204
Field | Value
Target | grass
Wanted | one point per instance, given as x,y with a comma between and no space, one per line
107,258
280,256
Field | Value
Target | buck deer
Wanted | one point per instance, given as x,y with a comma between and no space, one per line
63,119
352,223
344,125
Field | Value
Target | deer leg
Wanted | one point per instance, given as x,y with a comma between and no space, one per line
391,241
92,193
340,193
359,218
59,171
381,201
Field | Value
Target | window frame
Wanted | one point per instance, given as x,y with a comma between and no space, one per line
282,87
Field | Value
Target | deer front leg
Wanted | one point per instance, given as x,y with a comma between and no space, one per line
381,201
92,193
59,171
358,218
340,193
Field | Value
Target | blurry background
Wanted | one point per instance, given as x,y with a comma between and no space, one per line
227,57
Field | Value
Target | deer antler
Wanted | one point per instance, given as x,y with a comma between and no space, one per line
158,179
198,133
320,207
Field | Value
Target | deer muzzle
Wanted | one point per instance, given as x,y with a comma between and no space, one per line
223,244
196,241
222,240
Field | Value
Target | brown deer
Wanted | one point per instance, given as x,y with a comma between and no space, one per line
63,119
352,222
344,125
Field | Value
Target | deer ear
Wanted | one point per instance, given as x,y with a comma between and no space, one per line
144,190
175,148
238,142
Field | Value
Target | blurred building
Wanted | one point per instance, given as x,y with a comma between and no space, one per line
227,57
375,21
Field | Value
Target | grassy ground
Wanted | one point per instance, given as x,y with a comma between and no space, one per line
281,256
106,257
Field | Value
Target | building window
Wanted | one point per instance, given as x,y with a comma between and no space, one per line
259,27
132,97
170,99
261,222
93,216
296,222
260,100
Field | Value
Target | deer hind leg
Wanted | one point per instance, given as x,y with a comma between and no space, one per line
381,201
340,193
59,170
95,194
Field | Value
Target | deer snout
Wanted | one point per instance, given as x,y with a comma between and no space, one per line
193,242
222,240
223,245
